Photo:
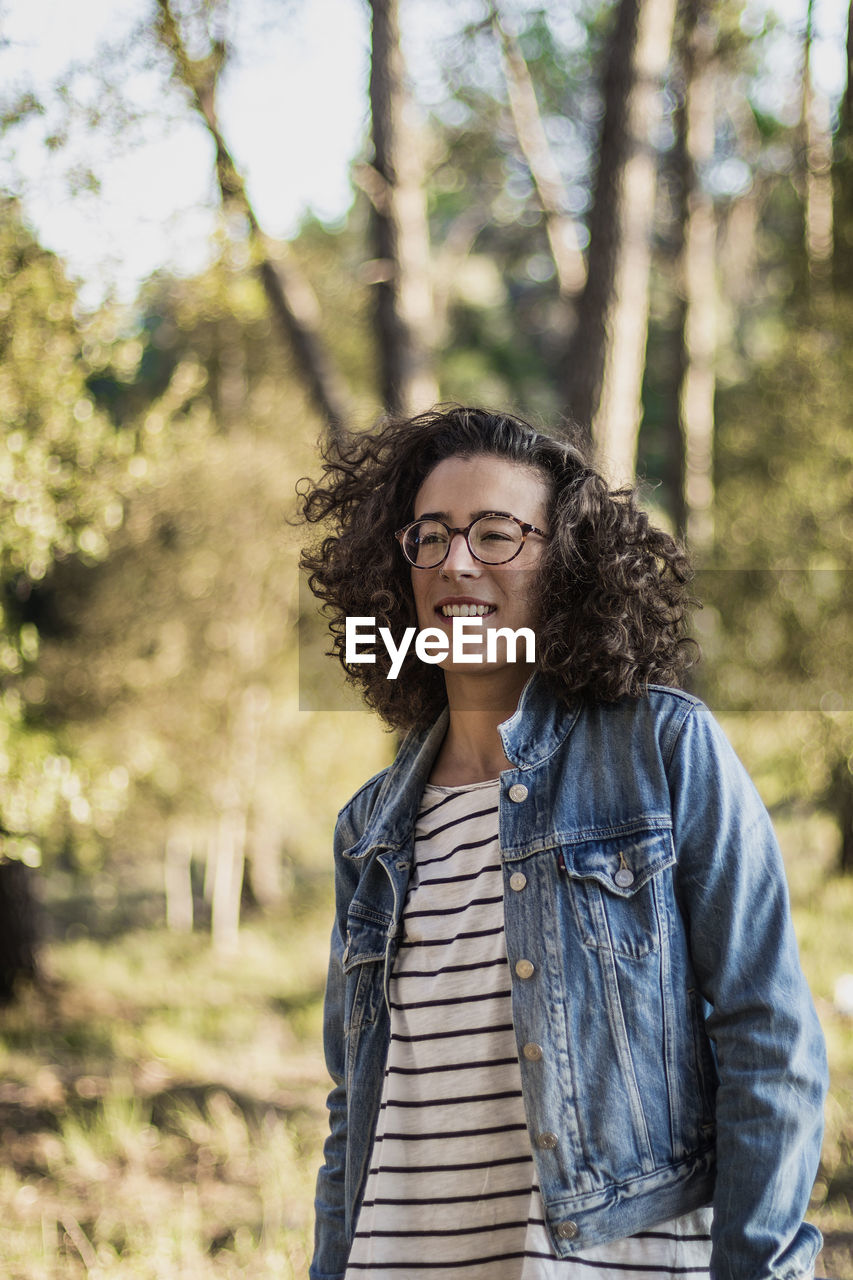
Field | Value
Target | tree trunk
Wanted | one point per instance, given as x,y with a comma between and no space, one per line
699,280
235,805
230,858
847,101
20,927
607,354
533,144
816,167
672,376
843,177
289,295
404,305
177,880
841,801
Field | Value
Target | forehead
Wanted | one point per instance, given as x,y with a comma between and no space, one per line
460,487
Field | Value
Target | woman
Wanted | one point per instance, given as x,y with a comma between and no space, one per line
565,1017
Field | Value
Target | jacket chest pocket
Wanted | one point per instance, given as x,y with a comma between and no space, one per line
364,966
617,889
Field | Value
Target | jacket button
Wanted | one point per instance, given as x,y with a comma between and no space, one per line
532,1052
567,1230
524,968
518,792
624,878
517,881
547,1141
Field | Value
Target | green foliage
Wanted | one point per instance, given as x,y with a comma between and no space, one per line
64,474
63,461
169,669
776,624
786,449
150,628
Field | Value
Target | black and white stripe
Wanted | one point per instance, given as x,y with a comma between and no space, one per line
451,1188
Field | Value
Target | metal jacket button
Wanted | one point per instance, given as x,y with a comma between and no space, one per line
518,792
567,1230
547,1141
532,1052
517,881
624,876
524,968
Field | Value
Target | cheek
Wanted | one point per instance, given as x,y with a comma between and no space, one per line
525,600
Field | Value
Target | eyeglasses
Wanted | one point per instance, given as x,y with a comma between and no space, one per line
492,538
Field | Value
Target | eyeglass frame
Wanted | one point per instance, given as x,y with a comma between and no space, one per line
523,525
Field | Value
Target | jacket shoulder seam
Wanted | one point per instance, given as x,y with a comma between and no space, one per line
680,695
676,729
683,705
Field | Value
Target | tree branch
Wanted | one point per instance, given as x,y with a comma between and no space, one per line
290,297
534,146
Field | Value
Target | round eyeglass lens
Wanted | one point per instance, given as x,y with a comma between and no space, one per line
425,544
495,539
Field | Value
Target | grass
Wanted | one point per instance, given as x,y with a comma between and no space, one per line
162,1108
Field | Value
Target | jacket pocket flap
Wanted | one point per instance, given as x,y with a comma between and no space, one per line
367,939
620,863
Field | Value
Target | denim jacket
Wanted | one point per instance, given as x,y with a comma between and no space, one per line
666,1033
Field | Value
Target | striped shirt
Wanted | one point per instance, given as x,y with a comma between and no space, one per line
451,1188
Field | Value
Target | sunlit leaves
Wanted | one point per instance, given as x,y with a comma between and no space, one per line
64,469
59,466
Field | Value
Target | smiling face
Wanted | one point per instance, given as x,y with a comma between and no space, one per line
457,491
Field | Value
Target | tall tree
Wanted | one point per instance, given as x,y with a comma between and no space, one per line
605,360
815,167
405,331
842,176
698,270
563,239
290,296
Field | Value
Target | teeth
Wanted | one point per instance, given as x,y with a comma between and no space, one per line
466,610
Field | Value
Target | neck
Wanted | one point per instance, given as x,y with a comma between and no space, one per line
472,750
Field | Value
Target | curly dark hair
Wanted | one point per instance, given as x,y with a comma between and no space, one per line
611,588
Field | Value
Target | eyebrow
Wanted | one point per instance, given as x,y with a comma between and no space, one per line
473,515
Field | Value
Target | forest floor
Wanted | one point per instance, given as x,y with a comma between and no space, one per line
162,1107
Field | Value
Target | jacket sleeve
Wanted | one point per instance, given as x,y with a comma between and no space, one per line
331,1246
330,1243
769,1047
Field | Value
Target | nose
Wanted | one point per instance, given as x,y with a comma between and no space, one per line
459,558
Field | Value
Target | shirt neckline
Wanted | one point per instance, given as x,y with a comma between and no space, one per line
464,786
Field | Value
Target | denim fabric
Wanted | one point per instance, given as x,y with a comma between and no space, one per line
666,1035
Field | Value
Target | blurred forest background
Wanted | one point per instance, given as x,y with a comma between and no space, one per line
635,215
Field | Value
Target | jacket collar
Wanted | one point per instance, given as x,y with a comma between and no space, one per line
539,725
536,729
